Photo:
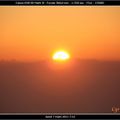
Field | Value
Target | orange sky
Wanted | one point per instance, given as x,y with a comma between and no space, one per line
33,33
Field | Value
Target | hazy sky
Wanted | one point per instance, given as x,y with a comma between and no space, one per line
33,33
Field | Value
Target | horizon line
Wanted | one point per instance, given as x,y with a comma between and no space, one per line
76,59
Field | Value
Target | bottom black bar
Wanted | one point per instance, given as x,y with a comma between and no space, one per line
59,116
59,3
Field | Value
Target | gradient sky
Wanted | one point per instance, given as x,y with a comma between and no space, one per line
33,33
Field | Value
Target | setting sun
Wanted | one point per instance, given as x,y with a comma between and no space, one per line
61,55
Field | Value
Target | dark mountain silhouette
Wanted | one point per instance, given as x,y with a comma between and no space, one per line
82,86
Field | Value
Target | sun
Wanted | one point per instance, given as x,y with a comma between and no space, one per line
61,56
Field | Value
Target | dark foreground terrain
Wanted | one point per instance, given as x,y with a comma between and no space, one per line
86,86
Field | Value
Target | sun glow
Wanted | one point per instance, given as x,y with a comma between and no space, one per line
61,55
